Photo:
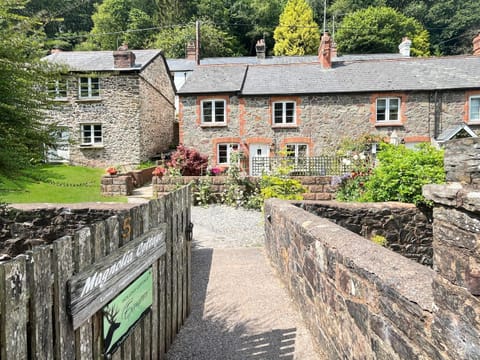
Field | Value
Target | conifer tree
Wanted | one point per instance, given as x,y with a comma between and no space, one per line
297,33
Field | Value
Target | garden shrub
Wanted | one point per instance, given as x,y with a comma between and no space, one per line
399,175
189,161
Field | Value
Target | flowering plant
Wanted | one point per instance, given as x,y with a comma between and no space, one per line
215,171
159,171
111,170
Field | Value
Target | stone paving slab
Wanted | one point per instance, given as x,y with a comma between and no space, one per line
240,310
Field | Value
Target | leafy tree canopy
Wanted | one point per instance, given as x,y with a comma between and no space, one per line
119,21
297,32
214,41
22,99
380,30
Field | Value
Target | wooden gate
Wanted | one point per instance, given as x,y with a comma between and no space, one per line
38,314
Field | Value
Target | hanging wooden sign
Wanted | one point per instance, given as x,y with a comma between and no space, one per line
92,289
123,312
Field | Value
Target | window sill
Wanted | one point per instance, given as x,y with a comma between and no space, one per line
89,100
91,146
205,125
284,126
388,123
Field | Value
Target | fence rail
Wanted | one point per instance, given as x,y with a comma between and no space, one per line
301,166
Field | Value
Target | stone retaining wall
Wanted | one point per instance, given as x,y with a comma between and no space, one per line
318,187
123,184
360,300
406,229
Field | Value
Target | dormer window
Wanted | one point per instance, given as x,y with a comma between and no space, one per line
88,87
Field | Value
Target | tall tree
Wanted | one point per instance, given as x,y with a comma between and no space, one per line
297,33
115,21
22,100
214,41
380,30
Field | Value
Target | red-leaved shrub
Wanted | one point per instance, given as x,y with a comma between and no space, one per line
189,161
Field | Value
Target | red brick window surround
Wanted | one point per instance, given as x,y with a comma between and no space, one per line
285,112
388,109
212,111
472,107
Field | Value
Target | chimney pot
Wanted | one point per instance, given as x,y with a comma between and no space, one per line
123,58
260,49
325,51
476,45
191,51
405,46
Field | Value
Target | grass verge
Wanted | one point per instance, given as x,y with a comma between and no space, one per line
54,184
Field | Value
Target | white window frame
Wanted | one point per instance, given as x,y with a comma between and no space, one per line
92,93
284,119
387,109
470,109
212,120
296,152
298,160
95,140
57,87
228,149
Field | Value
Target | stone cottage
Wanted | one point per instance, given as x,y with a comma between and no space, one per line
308,108
113,107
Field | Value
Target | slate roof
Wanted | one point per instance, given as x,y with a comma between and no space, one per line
346,76
99,60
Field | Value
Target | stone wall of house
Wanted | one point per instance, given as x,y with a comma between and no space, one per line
359,300
323,120
157,109
407,230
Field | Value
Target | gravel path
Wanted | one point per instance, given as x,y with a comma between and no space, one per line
232,227
240,309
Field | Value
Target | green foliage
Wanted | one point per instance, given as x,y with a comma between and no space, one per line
297,32
402,172
278,185
234,194
203,193
22,99
380,30
116,22
215,41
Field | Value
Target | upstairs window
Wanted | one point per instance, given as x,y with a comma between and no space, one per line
214,112
58,89
224,152
388,109
88,87
284,113
91,135
474,109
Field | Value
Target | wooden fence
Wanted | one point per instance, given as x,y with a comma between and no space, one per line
36,288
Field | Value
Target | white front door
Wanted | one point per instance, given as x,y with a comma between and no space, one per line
258,154
61,152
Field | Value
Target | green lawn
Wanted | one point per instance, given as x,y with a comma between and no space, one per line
54,184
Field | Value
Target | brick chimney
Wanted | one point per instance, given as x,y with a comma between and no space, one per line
476,45
123,58
405,46
325,51
191,52
261,49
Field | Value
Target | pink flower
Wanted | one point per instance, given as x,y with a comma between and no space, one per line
215,171
112,170
159,171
